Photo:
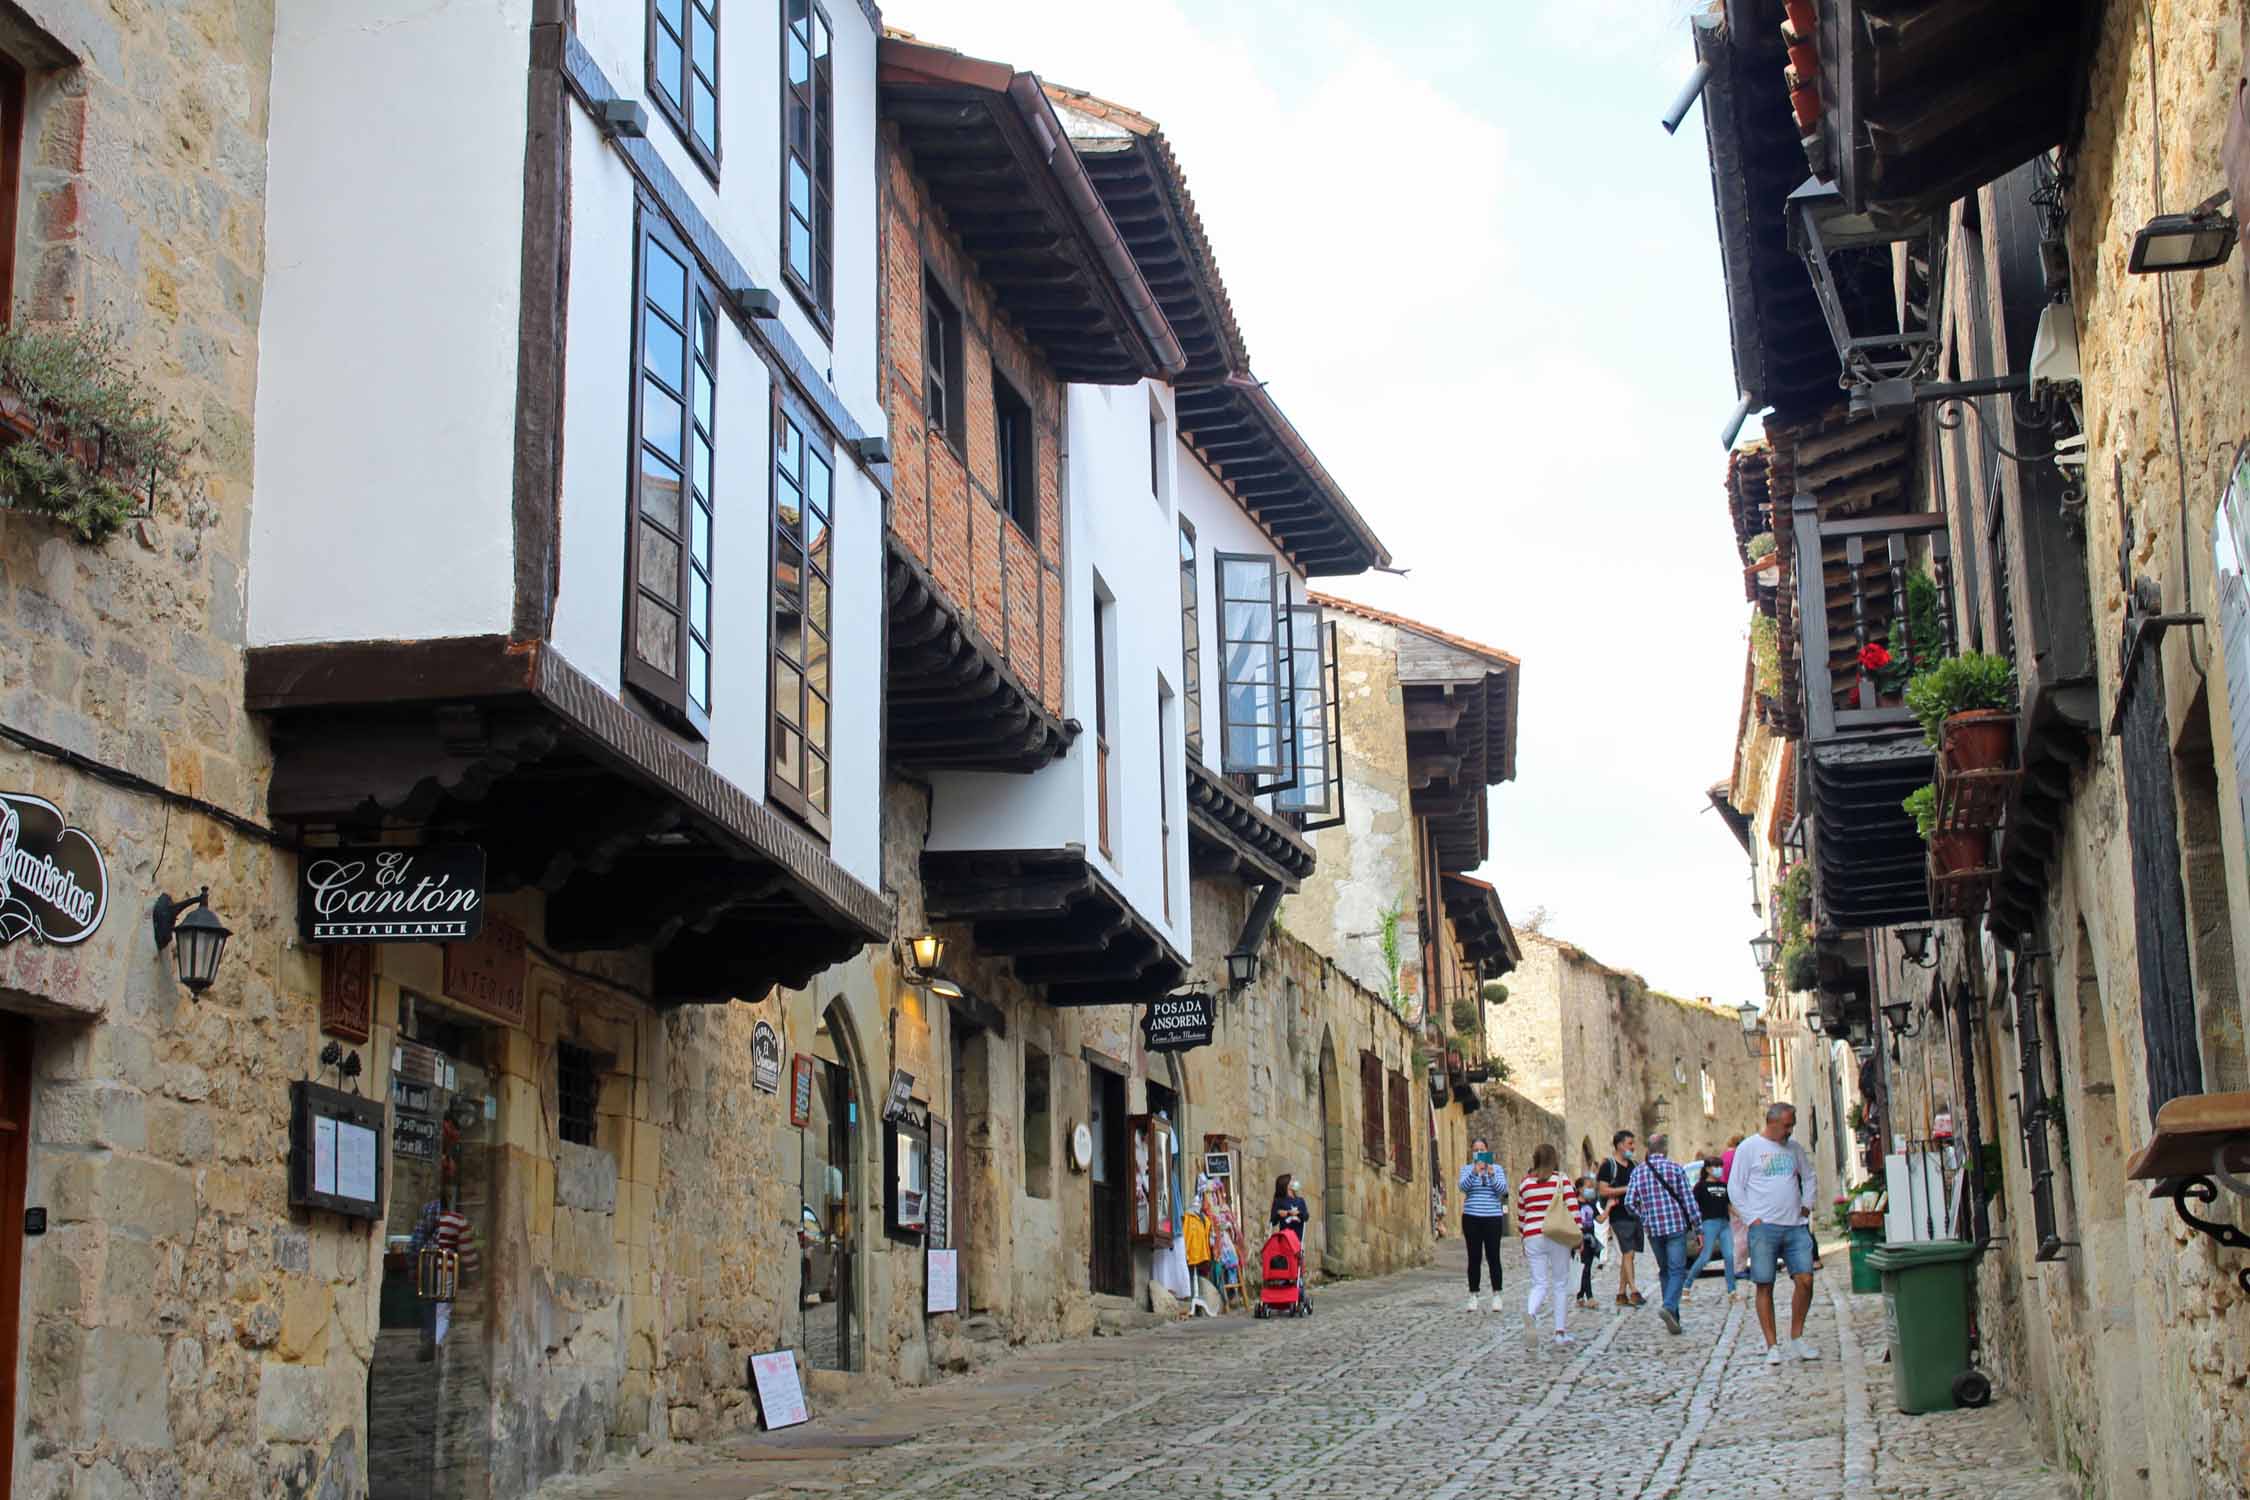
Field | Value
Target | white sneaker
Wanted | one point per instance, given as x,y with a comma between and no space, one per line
1564,1338
1492,1302
1773,1354
1806,1351
1473,1301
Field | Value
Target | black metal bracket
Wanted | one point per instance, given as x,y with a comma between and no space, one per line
2203,1190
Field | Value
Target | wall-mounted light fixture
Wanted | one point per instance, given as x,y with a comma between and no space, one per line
756,301
201,936
624,117
1242,970
1752,1041
1813,1022
1914,945
920,960
1766,949
2202,237
871,450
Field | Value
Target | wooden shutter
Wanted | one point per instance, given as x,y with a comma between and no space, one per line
2152,829
1402,1127
1371,1106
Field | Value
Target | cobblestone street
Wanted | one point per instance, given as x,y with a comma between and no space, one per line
1391,1389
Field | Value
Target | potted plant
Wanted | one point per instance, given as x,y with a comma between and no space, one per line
1967,708
1951,853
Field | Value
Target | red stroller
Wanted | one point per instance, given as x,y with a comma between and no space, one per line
1282,1270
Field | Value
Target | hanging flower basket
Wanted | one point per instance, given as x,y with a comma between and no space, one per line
81,442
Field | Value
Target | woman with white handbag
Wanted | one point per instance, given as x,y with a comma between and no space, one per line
1547,1214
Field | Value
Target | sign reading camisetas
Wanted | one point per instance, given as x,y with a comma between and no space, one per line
381,894
1177,1023
54,885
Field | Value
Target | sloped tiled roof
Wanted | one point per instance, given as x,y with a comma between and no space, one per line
1385,617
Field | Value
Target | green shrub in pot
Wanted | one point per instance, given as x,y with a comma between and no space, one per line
1959,685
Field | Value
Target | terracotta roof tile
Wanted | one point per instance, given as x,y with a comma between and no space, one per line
1385,617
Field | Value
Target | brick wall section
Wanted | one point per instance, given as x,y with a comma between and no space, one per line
945,509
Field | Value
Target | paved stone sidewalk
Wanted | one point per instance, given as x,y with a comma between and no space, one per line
1392,1390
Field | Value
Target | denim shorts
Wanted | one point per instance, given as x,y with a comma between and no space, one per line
1789,1243
1626,1233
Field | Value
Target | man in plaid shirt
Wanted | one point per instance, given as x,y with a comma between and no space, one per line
1658,1195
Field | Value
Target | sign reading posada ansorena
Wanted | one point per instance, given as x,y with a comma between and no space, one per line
54,884
1176,1023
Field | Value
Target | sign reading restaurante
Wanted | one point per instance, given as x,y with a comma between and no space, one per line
54,885
381,894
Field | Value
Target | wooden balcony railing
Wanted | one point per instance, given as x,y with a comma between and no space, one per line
1848,601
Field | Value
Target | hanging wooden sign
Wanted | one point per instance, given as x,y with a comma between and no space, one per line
1178,1023
487,972
347,990
54,884
385,894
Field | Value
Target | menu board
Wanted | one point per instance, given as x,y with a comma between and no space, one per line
335,1155
944,1280
781,1395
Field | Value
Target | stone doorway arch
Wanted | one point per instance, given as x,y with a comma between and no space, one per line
1332,1162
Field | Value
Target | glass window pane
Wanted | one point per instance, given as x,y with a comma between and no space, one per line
660,421
816,780
800,189
667,283
704,111
1246,579
788,760
800,61
670,63
703,466
698,673
818,480
816,720
660,566
656,636
706,332
703,40
788,575
816,599
699,545
671,14
661,348
1249,622
820,43
789,446
816,658
699,603
788,694
702,383
660,490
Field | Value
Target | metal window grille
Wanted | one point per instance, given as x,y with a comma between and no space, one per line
578,1087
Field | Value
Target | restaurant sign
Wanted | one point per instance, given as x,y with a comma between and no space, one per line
1177,1023
385,894
54,885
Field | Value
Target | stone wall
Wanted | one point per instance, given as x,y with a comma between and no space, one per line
1600,1049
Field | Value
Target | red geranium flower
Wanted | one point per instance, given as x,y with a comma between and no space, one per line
1874,657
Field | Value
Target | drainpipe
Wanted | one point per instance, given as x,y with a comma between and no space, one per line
1254,927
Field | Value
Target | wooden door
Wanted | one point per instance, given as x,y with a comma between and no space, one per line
15,1138
1109,1185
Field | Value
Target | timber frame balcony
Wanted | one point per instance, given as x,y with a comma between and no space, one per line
1229,834
1066,928
1863,757
954,702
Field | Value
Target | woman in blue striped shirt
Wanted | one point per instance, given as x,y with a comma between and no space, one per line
1484,1217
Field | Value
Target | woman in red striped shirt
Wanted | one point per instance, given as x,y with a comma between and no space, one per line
1544,1190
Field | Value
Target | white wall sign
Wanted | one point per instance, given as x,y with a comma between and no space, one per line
765,1058
781,1395
944,1281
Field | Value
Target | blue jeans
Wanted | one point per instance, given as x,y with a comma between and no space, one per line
1792,1244
1718,1239
1671,1262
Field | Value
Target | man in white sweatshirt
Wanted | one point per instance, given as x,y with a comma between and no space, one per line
1773,1187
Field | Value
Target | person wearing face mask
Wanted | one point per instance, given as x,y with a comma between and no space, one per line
1610,1184
1484,1215
1289,1211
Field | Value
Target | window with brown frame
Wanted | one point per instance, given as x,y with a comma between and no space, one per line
808,149
1402,1128
668,588
1102,675
1371,1106
803,559
683,73
578,1086
1019,483
943,401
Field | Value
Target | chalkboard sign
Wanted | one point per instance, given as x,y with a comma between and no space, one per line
335,1155
1177,1023
938,1233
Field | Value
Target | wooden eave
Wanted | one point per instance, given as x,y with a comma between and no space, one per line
1924,101
1784,356
1066,928
992,157
1869,862
953,701
1230,834
1480,926
569,791
1460,738
1246,442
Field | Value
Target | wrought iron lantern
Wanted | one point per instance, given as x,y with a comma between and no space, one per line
925,954
1814,1022
1753,1038
1914,945
1766,949
1242,970
195,934
1882,366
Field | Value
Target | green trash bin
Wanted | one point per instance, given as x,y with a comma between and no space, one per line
1864,1277
1926,1307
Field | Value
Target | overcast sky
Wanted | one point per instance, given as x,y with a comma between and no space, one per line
1485,285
